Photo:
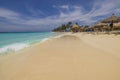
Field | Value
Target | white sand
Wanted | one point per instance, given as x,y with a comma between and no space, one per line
77,56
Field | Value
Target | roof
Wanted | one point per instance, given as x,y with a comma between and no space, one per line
113,18
101,24
75,26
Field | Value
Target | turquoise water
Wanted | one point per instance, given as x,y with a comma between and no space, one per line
10,42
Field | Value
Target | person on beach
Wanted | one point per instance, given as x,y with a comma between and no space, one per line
111,26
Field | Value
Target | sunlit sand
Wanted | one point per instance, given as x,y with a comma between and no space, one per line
78,56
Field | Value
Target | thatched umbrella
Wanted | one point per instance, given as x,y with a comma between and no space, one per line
116,25
101,24
75,28
113,19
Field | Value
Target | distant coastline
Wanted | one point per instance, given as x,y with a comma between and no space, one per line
108,24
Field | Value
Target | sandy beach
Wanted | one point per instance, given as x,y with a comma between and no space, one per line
78,56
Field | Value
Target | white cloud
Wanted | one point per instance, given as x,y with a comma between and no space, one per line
73,13
34,12
65,7
8,14
62,7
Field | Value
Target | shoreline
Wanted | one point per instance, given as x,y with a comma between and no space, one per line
59,34
26,45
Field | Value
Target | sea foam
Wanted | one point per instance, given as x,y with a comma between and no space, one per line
13,47
12,42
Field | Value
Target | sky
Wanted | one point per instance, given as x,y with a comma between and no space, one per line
45,15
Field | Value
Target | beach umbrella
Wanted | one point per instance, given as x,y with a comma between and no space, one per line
101,24
113,18
75,26
116,25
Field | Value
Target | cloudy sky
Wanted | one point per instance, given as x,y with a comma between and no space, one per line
44,15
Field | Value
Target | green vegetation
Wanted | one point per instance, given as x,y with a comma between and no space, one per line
63,27
108,24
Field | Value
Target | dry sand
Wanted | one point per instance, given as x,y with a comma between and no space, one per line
78,56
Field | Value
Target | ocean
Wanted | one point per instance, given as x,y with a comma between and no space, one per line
11,42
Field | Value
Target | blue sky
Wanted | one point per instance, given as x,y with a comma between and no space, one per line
44,15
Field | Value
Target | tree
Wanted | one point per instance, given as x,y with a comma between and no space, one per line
68,24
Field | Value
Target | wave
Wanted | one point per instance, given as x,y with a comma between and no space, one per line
13,47
19,46
45,39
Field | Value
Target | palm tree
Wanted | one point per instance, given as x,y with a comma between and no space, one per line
68,25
